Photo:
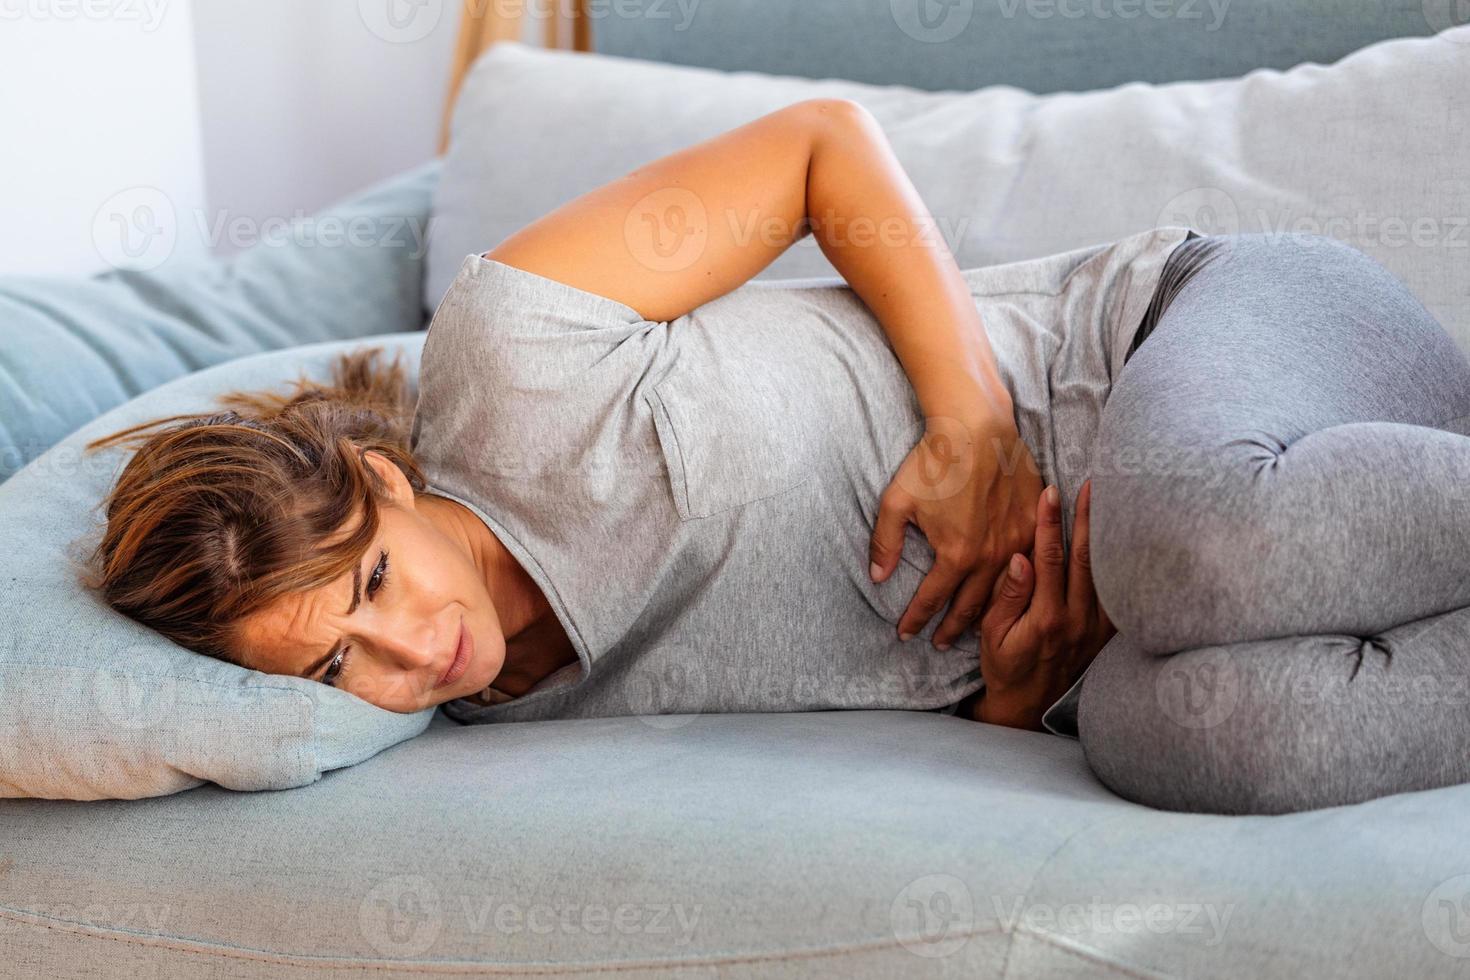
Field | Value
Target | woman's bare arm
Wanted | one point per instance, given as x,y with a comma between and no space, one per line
695,224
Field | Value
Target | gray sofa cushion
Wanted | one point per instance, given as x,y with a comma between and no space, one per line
97,706
71,348
854,844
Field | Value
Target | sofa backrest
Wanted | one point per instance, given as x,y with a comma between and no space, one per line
1038,45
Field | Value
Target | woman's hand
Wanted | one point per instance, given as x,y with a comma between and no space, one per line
972,488
1044,624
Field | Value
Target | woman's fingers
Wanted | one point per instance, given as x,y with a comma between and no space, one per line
1080,593
1008,602
1051,558
934,591
965,608
886,543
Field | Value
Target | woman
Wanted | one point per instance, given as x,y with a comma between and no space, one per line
629,486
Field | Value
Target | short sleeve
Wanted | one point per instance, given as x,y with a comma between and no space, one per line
521,372
492,293
503,322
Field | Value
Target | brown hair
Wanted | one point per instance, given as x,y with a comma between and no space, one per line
217,516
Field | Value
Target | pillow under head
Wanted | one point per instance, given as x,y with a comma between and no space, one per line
96,706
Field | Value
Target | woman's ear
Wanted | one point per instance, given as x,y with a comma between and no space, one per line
400,491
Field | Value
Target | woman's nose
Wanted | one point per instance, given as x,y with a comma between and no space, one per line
407,648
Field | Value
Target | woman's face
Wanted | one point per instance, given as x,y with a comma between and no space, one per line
393,628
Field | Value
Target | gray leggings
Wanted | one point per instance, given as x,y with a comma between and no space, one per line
1281,532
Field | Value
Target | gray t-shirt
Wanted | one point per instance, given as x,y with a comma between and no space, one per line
696,497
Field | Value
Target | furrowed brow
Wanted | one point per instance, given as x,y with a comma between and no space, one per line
311,671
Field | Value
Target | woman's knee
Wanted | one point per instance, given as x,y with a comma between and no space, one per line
1170,525
1279,726
1169,732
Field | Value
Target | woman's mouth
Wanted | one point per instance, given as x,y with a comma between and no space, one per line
463,651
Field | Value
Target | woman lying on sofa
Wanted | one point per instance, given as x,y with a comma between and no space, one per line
628,486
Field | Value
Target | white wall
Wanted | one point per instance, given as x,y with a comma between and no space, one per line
99,111
306,101
138,132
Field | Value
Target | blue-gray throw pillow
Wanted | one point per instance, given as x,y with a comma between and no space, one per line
72,347
96,706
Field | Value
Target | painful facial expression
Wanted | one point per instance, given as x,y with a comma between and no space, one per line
389,632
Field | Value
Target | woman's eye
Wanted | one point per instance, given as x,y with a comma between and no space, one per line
334,669
380,574
374,586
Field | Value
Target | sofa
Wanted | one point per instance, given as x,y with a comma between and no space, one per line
825,843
